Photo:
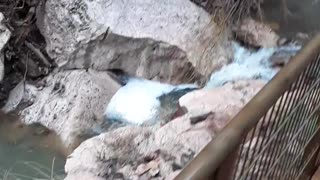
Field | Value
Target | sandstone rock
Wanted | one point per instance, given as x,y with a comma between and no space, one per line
152,39
152,167
225,102
200,116
143,152
84,176
105,154
4,38
71,104
256,34
139,151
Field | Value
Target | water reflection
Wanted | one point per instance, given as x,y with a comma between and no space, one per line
29,152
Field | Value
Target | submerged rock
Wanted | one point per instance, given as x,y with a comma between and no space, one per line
151,39
71,103
145,152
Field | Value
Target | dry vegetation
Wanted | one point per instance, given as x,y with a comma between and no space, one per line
228,12
25,57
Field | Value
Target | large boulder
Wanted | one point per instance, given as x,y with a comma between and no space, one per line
224,102
133,152
4,38
256,33
72,103
160,152
152,39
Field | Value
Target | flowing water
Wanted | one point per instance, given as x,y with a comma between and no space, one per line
250,64
33,152
28,153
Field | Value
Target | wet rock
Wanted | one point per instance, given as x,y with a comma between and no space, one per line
151,39
283,55
4,37
279,61
256,34
282,41
71,103
160,152
302,36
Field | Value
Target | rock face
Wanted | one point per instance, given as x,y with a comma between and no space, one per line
4,37
153,152
152,39
134,152
71,103
224,102
256,34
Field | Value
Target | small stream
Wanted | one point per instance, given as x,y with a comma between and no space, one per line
32,152
250,64
29,153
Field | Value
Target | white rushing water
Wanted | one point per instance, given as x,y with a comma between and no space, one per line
137,102
248,64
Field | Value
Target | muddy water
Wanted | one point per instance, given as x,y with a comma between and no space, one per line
29,152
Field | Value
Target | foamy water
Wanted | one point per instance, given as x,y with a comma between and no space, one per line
137,102
249,64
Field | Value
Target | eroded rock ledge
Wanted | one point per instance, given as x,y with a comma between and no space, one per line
152,39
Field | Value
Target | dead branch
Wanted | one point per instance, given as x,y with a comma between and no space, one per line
38,53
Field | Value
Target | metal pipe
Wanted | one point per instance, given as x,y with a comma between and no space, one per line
204,165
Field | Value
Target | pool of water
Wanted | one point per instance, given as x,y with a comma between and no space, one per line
29,152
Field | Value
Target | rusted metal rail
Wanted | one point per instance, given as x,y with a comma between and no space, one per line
276,135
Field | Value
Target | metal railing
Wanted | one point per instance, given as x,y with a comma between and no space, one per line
276,135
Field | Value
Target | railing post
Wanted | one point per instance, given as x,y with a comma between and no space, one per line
228,168
209,160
